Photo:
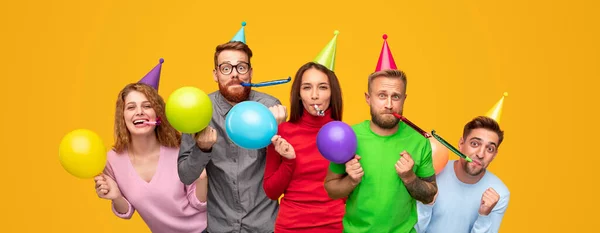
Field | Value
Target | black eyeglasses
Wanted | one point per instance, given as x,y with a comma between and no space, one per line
241,68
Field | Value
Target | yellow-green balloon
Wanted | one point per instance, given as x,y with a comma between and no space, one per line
82,153
189,110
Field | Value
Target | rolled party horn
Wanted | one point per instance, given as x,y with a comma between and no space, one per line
450,147
412,125
267,83
427,135
157,122
319,111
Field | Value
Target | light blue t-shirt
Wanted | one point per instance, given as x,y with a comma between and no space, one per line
456,208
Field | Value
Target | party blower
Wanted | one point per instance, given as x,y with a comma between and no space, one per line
157,122
320,112
267,83
427,135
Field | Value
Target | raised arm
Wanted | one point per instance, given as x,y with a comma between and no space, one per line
341,179
194,154
197,191
422,189
491,212
107,188
279,168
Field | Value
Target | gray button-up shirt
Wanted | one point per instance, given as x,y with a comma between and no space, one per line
236,199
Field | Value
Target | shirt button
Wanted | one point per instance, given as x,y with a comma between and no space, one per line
235,160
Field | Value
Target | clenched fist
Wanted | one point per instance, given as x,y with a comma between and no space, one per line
106,187
489,199
354,170
283,147
206,138
280,113
404,167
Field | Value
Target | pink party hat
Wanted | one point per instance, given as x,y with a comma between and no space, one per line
386,60
153,77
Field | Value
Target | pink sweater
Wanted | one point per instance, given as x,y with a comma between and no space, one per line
164,203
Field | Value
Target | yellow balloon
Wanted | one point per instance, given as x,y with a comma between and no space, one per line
82,153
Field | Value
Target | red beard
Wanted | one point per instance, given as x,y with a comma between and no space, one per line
234,96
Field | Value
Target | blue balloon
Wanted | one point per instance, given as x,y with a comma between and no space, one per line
250,125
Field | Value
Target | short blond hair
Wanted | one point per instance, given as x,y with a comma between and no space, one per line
388,74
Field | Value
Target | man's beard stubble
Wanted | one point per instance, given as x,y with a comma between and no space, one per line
472,172
384,123
234,96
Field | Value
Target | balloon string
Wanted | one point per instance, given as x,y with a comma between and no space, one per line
450,147
268,83
412,125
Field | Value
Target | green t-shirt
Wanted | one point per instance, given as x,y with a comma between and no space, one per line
380,202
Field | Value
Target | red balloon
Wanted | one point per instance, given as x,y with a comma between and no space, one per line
440,155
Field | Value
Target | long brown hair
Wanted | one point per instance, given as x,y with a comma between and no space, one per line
165,133
336,103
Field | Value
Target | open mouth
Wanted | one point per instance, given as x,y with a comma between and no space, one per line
139,122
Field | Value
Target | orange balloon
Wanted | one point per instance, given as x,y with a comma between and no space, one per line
440,155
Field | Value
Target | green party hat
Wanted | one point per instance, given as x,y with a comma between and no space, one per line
327,56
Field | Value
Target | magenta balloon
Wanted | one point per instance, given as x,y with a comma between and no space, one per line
337,142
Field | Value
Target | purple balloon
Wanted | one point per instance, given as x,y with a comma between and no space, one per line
337,142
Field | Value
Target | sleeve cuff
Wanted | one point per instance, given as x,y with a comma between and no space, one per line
199,158
339,169
483,221
193,199
197,153
419,173
289,162
125,215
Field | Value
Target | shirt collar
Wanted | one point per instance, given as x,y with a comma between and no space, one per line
224,106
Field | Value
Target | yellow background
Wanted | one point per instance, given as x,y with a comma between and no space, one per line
63,63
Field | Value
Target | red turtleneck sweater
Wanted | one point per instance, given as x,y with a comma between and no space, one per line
305,207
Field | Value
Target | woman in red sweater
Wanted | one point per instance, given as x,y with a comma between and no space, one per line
294,166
